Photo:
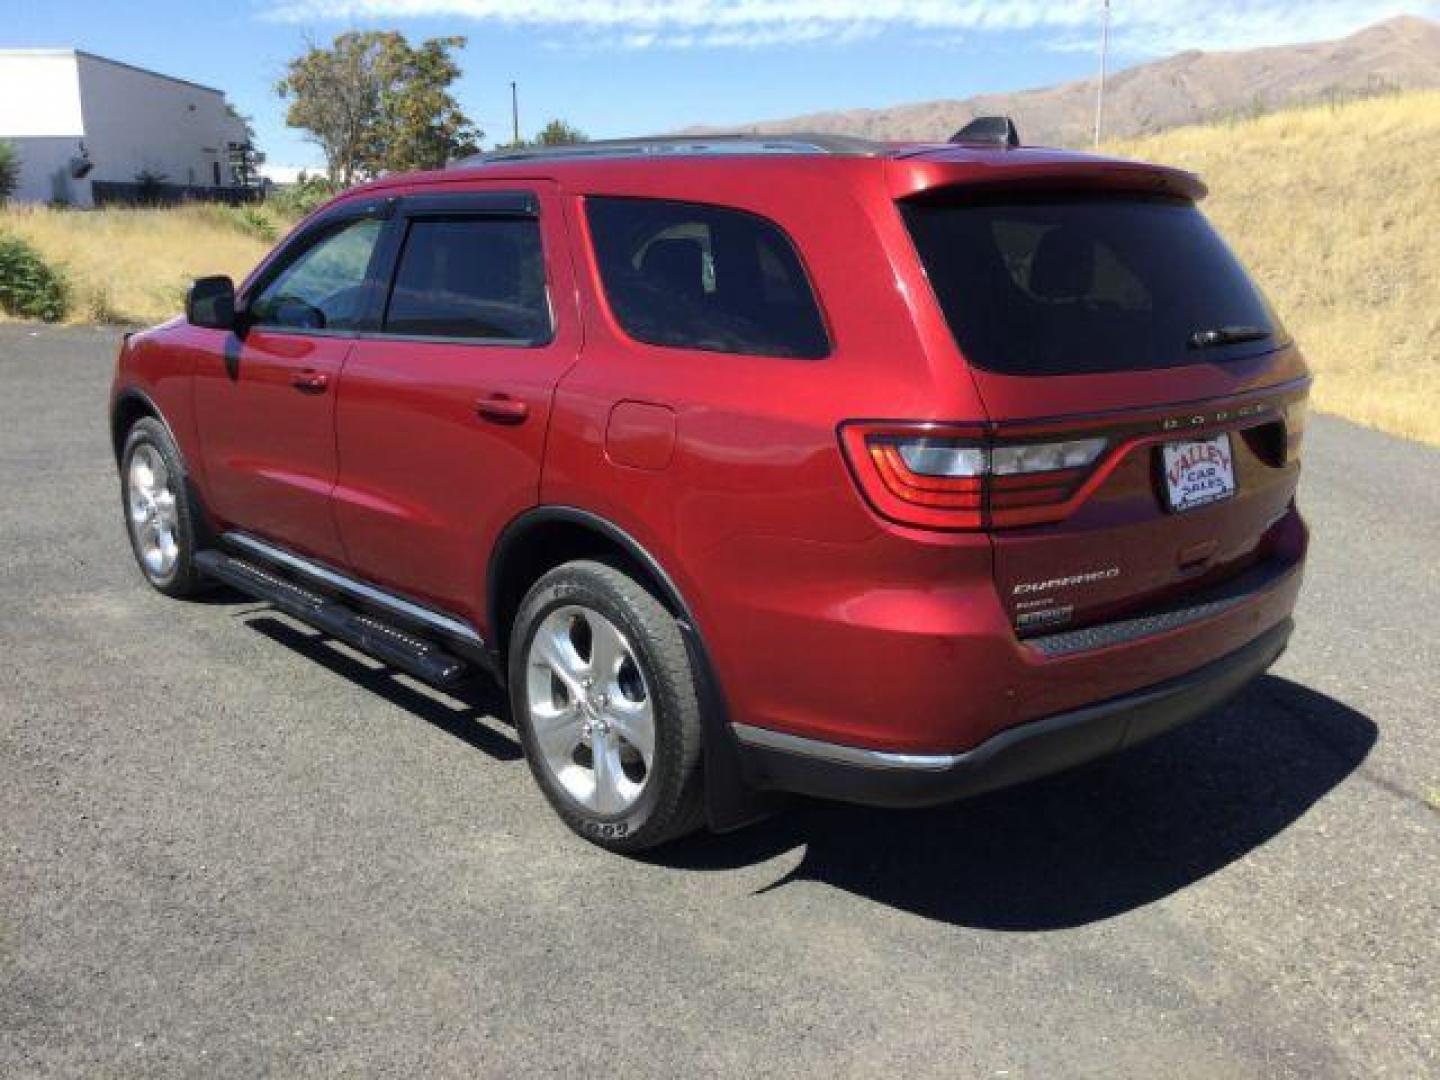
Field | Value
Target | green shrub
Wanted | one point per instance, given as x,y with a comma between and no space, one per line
9,170
257,223
300,198
30,289
246,220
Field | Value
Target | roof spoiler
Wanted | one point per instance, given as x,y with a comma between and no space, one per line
989,131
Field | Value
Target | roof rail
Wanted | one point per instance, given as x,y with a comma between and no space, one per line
684,146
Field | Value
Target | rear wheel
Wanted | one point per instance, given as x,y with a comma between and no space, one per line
159,517
605,703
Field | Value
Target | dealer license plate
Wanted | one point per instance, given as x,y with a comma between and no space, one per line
1198,472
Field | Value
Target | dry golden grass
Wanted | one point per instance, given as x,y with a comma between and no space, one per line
134,265
1336,211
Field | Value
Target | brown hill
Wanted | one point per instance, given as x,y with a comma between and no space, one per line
1190,87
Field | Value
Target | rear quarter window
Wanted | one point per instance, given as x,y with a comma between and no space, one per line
694,276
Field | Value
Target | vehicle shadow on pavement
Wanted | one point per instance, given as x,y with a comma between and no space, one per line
1071,849
459,712
1081,846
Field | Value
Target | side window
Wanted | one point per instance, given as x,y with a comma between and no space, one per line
703,277
477,277
324,287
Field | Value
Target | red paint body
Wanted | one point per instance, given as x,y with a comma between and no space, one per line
821,614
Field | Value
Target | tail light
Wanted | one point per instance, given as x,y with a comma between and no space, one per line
937,476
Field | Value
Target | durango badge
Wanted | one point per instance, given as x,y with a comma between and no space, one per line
1026,588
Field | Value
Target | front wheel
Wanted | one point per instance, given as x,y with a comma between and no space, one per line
159,517
604,699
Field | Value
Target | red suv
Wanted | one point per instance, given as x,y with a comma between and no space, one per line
880,473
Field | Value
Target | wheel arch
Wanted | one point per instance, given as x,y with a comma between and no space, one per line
546,536
129,407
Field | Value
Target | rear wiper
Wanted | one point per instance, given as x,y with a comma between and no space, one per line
1226,335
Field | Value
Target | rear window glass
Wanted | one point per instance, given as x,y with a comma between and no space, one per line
1060,285
702,277
471,278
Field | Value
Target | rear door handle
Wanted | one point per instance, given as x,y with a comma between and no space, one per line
309,381
502,409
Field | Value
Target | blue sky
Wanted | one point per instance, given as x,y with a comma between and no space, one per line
624,67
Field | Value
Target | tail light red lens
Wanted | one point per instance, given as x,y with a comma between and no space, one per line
935,476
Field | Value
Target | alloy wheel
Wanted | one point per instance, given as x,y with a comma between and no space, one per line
591,711
153,508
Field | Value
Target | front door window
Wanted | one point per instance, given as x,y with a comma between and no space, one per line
324,287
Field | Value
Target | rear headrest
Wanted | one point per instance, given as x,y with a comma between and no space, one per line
1063,266
677,265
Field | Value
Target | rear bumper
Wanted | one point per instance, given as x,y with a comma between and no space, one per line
779,761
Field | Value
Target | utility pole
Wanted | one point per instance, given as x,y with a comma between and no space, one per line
1104,51
515,112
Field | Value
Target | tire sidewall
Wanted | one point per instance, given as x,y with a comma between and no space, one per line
629,830
181,578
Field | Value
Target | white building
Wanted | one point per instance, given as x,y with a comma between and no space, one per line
64,110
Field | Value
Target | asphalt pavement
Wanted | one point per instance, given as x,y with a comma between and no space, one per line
230,848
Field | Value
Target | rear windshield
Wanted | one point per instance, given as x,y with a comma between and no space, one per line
1057,285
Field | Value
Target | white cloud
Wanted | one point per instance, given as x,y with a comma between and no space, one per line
1238,25
1140,27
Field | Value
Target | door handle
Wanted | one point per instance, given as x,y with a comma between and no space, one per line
502,409
310,381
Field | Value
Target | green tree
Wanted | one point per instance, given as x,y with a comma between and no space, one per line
9,170
334,96
300,198
372,103
555,133
422,125
560,133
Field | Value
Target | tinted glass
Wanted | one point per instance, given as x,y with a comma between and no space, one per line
700,277
324,288
1058,285
471,278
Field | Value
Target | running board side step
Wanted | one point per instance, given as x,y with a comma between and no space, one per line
369,634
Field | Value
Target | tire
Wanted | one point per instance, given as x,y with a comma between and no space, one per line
160,517
586,620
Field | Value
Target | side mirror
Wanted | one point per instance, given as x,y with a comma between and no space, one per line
211,303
